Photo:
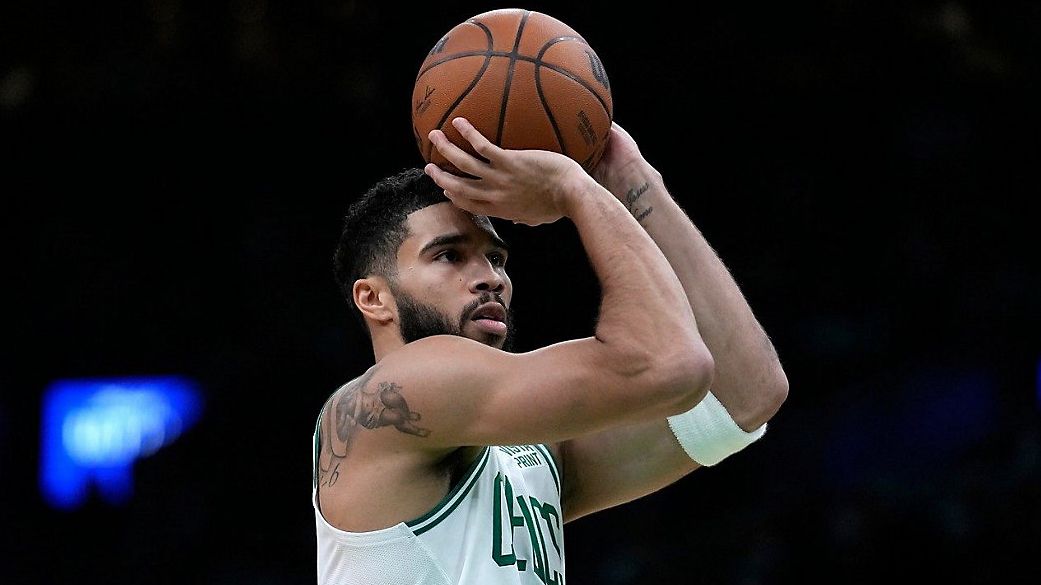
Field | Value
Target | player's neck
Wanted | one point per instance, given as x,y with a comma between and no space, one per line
385,339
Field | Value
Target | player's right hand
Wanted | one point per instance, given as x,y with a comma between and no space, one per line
527,186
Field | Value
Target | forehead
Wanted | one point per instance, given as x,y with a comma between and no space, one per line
444,218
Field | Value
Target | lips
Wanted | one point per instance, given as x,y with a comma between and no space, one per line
491,311
490,318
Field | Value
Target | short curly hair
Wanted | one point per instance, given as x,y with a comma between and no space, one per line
375,227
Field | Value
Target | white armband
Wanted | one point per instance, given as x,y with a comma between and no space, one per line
708,433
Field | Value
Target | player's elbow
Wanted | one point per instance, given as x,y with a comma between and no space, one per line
774,394
687,378
769,396
666,380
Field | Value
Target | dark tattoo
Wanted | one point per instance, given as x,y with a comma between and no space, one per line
360,405
329,460
382,407
632,196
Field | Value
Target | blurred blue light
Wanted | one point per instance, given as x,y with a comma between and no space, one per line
94,430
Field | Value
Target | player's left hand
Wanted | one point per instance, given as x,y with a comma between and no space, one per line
620,160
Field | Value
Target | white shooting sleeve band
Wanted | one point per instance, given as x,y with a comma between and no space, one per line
708,434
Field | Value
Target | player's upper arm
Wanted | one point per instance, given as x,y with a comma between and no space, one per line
455,391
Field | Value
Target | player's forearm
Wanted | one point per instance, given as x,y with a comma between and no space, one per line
644,310
749,379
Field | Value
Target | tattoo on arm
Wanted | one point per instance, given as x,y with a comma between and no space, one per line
631,198
372,409
360,405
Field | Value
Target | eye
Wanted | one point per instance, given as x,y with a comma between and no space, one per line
497,259
447,256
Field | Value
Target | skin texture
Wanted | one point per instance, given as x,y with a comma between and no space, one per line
619,465
410,424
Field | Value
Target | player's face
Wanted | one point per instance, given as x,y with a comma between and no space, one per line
452,278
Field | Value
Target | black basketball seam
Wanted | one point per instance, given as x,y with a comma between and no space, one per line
513,55
484,67
538,85
579,81
549,113
509,78
565,72
538,63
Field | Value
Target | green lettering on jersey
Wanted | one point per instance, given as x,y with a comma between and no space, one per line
531,510
538,543
552,518
502,484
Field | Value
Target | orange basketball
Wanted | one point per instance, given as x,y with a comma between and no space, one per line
524,79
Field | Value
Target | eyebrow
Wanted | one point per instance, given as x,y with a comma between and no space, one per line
458,238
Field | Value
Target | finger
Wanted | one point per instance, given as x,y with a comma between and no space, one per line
455,155
459,189
620,130
482,145
460,186
475,206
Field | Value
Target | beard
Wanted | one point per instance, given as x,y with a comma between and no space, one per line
418,320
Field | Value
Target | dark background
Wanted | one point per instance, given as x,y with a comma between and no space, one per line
172,179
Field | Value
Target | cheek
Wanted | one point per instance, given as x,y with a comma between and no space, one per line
507,294
434,289
440,285
436,275
427,284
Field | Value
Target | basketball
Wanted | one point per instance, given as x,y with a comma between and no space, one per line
524,79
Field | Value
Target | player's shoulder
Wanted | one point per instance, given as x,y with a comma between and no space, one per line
438,350
439,342
440,360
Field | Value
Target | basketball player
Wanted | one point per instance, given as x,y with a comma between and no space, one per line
451,461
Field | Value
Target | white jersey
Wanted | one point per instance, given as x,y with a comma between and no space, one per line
501,524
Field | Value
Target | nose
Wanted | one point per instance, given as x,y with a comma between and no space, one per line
487,278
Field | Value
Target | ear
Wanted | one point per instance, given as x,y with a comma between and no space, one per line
373,297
